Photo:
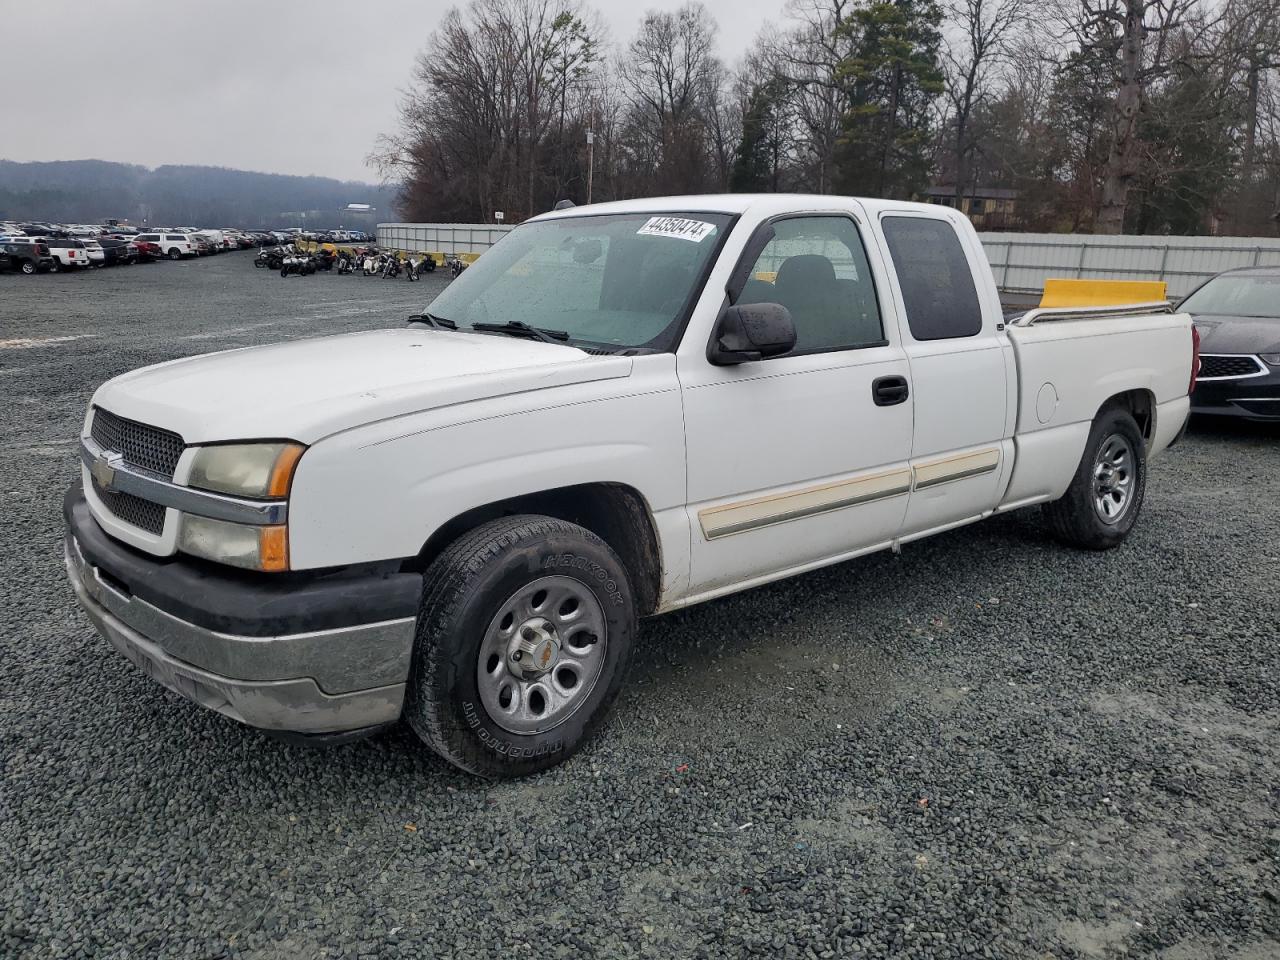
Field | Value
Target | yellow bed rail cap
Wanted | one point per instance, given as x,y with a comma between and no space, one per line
1102,293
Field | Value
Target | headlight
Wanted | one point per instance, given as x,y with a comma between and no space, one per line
261,470
1270,359
236,544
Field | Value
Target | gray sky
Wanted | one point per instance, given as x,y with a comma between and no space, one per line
300,88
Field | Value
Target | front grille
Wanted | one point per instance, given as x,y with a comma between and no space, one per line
1225,365
143,447
132,510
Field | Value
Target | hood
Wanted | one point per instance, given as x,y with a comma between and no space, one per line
1220,334
307,389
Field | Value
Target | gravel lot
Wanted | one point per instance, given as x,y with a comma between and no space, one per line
989,746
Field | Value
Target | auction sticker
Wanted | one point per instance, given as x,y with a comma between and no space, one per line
695,230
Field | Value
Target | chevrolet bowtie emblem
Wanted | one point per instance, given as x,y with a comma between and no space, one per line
103,470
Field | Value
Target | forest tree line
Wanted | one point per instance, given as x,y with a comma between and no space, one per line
1106,116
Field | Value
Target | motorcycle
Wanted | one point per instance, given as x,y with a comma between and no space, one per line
298,266
456,266
272,258
391,268
346,263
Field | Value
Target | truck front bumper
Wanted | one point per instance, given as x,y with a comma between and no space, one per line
318,655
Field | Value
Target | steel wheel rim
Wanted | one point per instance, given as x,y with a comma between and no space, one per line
542,654
1113,477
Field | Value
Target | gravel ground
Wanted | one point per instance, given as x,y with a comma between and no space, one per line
989,746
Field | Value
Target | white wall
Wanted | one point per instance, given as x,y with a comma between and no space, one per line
1023,261
440,237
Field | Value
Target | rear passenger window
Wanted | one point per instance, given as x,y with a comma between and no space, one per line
935,276
816,267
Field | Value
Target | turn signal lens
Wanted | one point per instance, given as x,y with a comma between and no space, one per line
273,548
282,472
1195,359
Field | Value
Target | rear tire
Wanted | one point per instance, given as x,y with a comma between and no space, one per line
28,267
175,254
519,580
1105,497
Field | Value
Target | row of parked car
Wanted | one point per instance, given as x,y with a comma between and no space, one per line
39,247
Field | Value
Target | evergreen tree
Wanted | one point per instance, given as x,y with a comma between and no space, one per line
758,158
889,78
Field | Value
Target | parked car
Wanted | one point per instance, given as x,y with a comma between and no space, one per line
611,414
213,238
175,245
97,256
68,253
148,250
26,257
1238,316
117,252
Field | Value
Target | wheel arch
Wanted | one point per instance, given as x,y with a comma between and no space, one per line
1141,405
615,512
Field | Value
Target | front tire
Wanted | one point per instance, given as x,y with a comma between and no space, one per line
1105,497
523,639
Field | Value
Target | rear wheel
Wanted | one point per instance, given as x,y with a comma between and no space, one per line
523,640
175,254
1105,497
28,267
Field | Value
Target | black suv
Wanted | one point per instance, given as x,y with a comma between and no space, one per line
25,257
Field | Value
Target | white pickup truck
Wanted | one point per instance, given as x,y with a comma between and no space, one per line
618,411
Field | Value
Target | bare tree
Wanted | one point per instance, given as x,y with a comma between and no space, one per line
496,109
981,35
669,70
808,58
1132,38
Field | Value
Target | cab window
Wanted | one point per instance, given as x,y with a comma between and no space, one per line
935,277
817,268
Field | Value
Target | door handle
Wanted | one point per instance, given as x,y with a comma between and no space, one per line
886,391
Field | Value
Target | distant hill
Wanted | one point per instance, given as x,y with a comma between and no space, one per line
89,191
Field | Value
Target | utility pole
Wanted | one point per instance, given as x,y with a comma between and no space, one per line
591,148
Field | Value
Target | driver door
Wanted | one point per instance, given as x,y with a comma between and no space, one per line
800,459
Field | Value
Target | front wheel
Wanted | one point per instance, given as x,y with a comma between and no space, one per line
522,644
1105,497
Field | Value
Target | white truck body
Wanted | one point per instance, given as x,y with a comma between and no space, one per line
747,472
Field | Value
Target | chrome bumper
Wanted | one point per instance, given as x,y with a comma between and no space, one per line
316,683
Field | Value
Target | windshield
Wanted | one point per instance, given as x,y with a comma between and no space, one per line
1236,295
614,281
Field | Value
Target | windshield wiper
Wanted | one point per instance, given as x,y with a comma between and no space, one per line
518,328
430,320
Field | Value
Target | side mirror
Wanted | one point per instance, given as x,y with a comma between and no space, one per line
751,331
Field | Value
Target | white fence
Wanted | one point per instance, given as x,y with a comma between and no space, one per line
1023,261
446,238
